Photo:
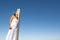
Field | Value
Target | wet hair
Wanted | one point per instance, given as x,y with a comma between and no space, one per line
14,14
17,17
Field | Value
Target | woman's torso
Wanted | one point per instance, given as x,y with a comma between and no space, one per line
14,23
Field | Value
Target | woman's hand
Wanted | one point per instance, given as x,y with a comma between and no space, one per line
10,28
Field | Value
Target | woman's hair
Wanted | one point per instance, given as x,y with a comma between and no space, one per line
14,14
17,17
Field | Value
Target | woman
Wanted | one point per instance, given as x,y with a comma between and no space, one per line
13,26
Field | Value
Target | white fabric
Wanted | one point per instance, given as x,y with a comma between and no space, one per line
12,33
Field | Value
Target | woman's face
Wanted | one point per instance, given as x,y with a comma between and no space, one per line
16,15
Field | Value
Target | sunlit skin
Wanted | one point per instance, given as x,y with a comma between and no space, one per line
12,17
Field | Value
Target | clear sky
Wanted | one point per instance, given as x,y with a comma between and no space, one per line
39,20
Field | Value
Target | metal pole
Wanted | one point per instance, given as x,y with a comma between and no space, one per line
17,31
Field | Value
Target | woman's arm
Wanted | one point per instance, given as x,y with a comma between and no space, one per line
10,27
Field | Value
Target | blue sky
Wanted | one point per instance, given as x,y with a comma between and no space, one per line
39,20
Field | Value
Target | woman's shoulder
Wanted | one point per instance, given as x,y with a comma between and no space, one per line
13,16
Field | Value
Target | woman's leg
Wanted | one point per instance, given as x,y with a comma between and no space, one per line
8,35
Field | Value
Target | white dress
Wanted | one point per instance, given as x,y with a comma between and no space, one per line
12,33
